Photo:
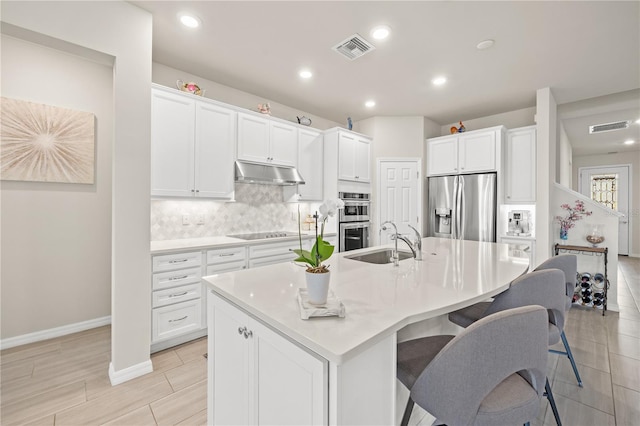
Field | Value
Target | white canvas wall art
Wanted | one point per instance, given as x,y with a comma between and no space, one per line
44,143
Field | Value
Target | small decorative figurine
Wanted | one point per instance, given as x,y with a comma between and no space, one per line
453,129
190,87
461,128
264,108
305,121
349,123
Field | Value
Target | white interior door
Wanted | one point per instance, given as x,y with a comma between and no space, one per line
609,185
399,195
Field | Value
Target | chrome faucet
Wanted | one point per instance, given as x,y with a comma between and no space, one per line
394,255
415,245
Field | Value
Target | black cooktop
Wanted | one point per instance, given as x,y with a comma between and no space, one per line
263,235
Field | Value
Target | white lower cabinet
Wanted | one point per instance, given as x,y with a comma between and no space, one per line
226,260
270,253
177,306
259,377
521,248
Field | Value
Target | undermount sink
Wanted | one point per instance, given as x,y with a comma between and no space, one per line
380,257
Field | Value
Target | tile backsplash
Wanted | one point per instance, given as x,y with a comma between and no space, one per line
258,208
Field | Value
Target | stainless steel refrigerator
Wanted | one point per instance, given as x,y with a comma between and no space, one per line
463,207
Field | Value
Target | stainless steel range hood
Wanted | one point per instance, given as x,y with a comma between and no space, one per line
267,175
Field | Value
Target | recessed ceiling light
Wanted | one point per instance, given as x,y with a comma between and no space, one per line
305,74
189,20
370,104
485,44
439,81
638,121
629,142
380,32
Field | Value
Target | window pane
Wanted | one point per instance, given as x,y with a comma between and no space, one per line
604,190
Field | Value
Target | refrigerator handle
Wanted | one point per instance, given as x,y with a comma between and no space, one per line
454,210
461,202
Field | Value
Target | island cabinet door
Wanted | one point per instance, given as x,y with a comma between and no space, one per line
228,367
290,382
257,376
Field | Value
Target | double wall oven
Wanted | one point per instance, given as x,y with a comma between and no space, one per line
354,221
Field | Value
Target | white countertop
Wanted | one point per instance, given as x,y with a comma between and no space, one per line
167,246
379,299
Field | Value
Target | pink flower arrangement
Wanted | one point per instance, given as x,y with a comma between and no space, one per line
575,214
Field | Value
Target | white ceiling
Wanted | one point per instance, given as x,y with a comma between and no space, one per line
580,49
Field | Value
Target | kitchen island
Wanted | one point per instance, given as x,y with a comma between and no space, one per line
268,366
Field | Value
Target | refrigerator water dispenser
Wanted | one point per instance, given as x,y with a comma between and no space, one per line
443,220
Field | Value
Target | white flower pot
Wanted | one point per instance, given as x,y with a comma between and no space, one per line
318,287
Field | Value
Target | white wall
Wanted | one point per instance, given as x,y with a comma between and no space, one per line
620,158
124,32
167,76
565,158
56,238
511,120
546,121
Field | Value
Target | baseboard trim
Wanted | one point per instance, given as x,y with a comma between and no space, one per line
129,373
613,307
38,336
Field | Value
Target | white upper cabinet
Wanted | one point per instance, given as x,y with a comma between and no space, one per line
442,156
469,152
520,166
353,157
310,164
262,140
192,146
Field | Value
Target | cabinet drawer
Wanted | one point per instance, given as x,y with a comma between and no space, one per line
169,262
227,267
174,320
274,249
174,278
270,260
225,255
170,296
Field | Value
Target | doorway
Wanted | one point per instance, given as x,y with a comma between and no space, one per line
399,194
611,187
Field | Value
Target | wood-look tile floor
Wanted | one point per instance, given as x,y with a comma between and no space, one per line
64,381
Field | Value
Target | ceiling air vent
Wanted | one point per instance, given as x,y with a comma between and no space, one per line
353,47
608,127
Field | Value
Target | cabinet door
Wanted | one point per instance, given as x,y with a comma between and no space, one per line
362,160
442,156
477,152
284,144
310,164
228,365
172,149
290,382
214,151
520,164
253,138
346,157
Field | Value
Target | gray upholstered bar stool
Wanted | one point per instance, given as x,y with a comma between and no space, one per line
567,263
545,288
492,373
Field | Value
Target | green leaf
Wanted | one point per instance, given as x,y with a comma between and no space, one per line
324,250
305,256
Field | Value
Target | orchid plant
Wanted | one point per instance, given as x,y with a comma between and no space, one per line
321,249
575,214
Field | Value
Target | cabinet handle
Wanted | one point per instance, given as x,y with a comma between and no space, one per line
226,254
461,168
178,278
455,168
197,190
193,190
247,333
178,294
179,319
508,196
242,330
178,261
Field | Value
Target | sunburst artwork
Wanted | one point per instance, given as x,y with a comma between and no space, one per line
44,143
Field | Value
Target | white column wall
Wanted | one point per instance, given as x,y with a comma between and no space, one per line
123,31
